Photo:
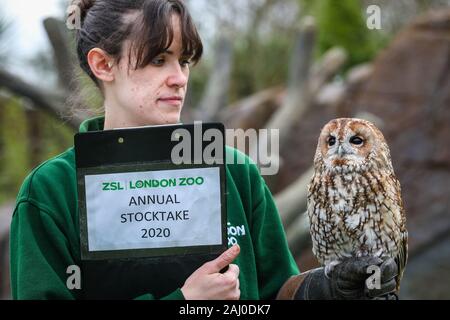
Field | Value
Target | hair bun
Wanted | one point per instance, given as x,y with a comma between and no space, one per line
84,5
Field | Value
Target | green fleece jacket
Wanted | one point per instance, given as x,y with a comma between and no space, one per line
45,233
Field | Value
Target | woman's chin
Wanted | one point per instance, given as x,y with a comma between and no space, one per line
165,119
169,114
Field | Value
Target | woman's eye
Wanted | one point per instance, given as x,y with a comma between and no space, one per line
158,61
356,140
185,62
331,141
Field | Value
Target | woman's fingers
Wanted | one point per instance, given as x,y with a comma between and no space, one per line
222,261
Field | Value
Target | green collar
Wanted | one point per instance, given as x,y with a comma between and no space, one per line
93,124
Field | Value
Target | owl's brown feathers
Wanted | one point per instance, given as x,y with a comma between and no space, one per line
354,202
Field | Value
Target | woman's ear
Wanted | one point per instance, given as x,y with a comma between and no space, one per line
101,64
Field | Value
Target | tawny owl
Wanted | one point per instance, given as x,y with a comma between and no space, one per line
354,201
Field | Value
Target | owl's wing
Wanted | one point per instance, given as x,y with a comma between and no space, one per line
402,256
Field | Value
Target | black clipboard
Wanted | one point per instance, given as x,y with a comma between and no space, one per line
125,274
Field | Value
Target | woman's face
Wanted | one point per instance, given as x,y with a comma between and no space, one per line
153,95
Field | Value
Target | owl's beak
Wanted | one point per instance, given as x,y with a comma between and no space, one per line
341,151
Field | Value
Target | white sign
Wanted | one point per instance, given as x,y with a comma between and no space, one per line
158,209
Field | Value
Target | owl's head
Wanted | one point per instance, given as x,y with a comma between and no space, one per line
351,145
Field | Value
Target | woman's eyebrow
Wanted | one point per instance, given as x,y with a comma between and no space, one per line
170,53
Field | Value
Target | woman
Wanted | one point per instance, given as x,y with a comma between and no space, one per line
139,53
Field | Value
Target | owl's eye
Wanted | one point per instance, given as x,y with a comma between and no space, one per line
331,141
356,140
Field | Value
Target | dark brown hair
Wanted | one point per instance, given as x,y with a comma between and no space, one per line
107,24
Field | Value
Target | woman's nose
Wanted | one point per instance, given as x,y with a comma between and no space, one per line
178,77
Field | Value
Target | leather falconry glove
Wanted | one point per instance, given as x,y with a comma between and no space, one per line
346,281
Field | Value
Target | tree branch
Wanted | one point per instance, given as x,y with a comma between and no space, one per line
50,102
215,96
296,103
65,61
292,199
252,111
298,234
323,71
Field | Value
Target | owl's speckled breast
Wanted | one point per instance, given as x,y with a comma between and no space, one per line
351,221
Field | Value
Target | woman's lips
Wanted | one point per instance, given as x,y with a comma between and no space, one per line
173,100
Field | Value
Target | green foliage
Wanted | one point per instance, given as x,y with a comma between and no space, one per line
199,75
262,62
56,137
259,65
307,7
15,155
343,23
13,158
87,95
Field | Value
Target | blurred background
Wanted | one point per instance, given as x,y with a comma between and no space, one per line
287,64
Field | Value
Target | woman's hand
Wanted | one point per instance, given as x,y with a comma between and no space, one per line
207,283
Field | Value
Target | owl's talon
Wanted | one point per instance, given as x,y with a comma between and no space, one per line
330,267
